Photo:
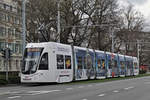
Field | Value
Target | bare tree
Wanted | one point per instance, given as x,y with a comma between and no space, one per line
82,22
133,20
131,25
105,16
38,14
44,12
76,17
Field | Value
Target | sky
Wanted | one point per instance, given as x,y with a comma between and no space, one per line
141,5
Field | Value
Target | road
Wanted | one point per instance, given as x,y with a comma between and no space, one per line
129,89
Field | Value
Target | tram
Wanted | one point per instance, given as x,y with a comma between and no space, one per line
54,62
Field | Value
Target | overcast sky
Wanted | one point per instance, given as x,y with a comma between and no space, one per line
142,5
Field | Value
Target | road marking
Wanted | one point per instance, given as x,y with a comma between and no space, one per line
129,88
55,90
4,93
33,91
9,92
81,87
98,84
69,88
41,92
14,97
14,92
84,99
147,82
90,85
115,91
101,95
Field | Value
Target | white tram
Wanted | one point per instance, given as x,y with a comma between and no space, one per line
55,62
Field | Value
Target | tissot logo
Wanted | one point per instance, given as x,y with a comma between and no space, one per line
64,72
27,78
62,49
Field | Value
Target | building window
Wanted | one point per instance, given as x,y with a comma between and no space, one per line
20,65
17,35
9,32
20,48
1,5
11,46
6,31
7,7
2,31
11,8
14,32
16,48
2,17
14,9
10,65
8,18
4,6
15,20
17,63
18,21
2,45
1,64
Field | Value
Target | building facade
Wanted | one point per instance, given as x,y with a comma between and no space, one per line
135,43
10,35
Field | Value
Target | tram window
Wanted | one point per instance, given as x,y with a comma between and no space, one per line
115,63
89,61
110,64
60,61
44,62
128,65
103,64
135,65
99,63
131,64
68,62
122,64
79,62
85,64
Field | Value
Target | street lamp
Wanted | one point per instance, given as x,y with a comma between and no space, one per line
112,47
58,19
23,26
138,50
112,33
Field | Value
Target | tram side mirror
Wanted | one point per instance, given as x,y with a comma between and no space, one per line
43,60
34,63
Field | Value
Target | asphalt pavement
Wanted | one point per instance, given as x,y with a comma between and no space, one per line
129,89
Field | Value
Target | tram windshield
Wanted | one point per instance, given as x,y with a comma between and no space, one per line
30,60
